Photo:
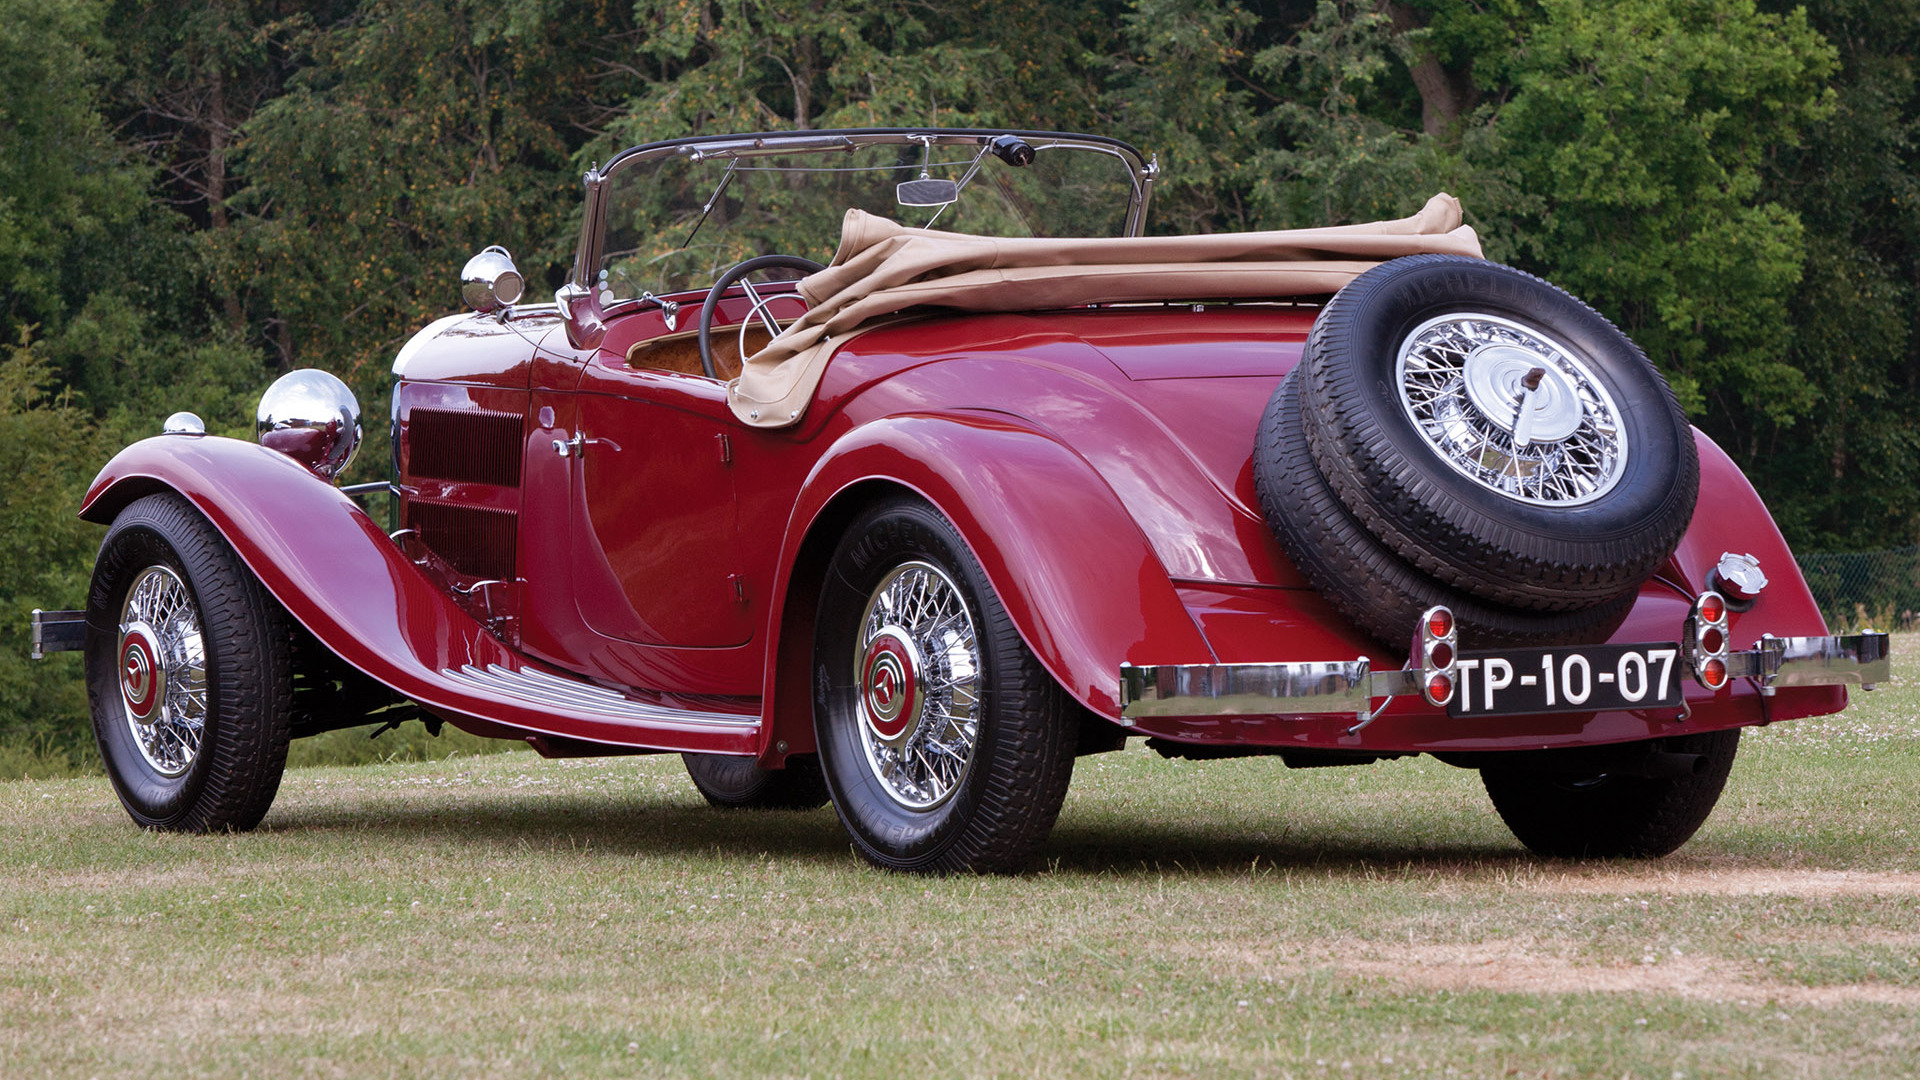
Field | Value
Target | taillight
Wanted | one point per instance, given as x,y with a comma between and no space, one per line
1712,608
1438,649
1706,640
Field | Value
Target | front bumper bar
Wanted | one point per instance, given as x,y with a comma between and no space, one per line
1350,686
57,631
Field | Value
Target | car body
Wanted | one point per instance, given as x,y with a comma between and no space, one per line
596,553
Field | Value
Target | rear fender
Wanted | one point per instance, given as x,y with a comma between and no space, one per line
1730,517
1078,578
339,575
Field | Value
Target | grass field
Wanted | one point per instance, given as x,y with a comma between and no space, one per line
507,916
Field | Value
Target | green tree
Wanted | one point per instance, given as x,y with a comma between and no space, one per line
48,451
1181,87
1846,476
191,75
1642,127
415,133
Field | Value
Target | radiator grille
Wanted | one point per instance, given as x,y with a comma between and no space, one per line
464,445
475,540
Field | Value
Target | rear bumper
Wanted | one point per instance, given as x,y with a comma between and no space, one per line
1353,687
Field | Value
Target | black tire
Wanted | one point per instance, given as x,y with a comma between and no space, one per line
1576,548
161,561
1365,581
1607,816
989,812
732,782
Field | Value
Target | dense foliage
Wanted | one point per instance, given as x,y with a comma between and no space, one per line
197,196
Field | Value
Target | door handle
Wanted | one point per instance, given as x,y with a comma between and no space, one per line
577,446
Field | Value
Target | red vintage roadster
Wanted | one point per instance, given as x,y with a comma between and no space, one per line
908,523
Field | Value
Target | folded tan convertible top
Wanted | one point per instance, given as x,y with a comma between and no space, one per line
883,267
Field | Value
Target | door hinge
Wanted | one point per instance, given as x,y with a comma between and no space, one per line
726,448
739,583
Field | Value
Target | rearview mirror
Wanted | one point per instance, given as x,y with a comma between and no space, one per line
926,192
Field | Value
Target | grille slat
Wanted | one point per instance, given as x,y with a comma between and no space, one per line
464,445
475,540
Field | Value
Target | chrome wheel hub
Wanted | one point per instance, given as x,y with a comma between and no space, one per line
143,686
918,662
1511,409
163,670
891,688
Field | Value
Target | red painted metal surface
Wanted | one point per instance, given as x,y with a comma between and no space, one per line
1085,599
327,562
1096,462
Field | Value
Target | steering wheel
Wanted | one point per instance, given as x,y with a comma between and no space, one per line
740,274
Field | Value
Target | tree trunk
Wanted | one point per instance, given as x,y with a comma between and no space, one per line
1445,94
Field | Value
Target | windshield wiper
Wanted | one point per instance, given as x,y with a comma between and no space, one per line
712,200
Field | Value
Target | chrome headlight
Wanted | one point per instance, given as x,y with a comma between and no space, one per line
313,418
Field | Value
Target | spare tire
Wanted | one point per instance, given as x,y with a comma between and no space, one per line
1366,582
1497,433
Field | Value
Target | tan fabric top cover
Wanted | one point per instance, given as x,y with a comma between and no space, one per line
883,267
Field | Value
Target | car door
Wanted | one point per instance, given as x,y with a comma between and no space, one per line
654,547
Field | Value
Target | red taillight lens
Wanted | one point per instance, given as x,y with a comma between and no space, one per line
1713,609
1713,641
1440,624
1439,689
1441,655
1714,672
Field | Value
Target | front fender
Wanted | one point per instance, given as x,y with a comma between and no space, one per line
339,575
1079,580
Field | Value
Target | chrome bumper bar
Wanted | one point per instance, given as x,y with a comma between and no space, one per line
1350,686
1319,686
57,631
1844,660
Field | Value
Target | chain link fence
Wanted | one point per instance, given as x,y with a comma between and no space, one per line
1857,589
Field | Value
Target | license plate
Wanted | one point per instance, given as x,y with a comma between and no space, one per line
1591,678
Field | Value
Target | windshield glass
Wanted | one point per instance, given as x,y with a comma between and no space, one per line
677,218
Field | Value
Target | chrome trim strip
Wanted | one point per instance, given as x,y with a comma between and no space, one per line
1319,686
1861,659
544,690
57,631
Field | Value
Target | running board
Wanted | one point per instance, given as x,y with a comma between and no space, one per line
563,695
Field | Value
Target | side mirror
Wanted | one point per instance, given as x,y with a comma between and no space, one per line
490,281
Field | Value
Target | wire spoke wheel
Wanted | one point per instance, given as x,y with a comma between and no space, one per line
918,661
1511,409
944,743
163,671
189,672
1492,432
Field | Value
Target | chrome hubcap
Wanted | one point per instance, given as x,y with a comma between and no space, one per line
1511,409
163,670
918,661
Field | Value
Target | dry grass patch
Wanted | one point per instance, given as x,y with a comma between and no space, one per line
1706,881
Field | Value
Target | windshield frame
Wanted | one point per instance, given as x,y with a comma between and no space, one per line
1140,172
